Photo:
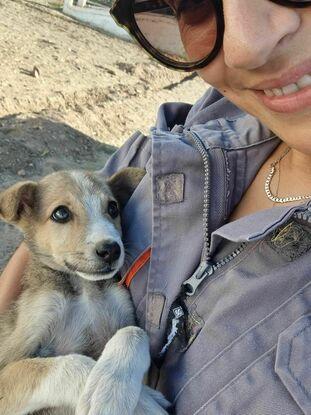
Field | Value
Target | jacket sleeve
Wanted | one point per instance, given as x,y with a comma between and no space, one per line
135,152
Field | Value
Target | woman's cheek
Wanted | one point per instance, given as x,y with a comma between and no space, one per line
215,74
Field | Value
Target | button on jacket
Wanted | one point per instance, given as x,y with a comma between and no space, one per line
247,349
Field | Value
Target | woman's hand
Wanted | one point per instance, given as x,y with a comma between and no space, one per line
115,386
10,280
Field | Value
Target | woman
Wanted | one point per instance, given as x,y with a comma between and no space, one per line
226,207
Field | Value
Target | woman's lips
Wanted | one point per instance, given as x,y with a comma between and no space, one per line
286,103
290,76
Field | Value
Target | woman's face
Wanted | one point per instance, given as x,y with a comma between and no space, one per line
266,46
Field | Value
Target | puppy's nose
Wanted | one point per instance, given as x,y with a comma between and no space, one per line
108,251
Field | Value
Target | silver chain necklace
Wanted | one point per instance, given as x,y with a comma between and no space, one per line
268,181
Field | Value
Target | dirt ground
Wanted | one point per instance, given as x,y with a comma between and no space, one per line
90,92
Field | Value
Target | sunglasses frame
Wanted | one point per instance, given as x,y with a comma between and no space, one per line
123,14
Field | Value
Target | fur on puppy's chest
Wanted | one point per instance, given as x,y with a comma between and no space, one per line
81,323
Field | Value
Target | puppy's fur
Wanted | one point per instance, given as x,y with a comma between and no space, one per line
70,308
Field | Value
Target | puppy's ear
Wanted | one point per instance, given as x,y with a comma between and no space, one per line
17,201
124,182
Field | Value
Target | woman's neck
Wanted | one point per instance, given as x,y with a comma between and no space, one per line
292,178
295,172
300,163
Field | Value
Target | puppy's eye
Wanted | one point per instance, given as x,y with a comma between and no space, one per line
61,214
113,209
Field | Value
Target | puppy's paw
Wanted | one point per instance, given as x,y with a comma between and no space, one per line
115,383
157,396
151,402
128,352
129,340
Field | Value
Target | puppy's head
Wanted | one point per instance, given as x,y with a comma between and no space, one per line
71,220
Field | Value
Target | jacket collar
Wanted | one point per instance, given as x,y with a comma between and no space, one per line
214,117
257,226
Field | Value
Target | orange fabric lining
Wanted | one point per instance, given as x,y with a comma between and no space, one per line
137,265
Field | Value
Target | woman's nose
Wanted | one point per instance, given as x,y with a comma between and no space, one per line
254,30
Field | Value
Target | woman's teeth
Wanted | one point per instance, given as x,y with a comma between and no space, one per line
289,89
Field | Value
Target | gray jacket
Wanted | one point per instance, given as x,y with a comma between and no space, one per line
244,348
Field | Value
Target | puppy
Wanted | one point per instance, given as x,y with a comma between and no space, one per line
53,338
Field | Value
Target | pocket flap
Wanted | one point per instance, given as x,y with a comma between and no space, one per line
293,361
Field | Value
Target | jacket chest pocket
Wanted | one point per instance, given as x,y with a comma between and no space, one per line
277,382
293,361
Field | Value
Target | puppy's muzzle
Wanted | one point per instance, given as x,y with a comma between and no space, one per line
109,252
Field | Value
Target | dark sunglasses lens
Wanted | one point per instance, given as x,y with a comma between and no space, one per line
293,3
180,30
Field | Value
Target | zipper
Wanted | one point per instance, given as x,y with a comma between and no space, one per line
304,215
206,194
178,314
206,268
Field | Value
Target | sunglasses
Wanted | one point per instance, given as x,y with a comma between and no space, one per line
181,34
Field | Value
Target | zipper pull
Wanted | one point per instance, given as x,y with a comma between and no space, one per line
204,270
